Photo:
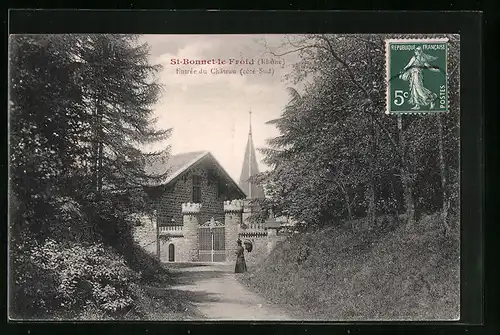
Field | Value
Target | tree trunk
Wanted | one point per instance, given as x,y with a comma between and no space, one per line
347,202
371,204
349,209
373,165
406,179
408,197
95,146
394,202
156,221
99,167
371,188
100,152
442,168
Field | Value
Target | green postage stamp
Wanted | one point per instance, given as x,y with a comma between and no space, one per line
416,73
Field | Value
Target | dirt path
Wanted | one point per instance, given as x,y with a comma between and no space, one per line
217,294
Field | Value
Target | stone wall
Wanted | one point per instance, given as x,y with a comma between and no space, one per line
272,241
247,212
262,247
181,253
181,250
145,236
259,250
232,221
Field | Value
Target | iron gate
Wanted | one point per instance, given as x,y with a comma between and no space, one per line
211,239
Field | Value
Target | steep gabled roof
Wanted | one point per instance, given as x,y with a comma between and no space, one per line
176,165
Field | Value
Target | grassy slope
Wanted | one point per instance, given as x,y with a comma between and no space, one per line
335,274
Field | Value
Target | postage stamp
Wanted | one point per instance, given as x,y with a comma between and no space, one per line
416,76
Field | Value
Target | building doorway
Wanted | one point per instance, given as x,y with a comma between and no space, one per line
211,240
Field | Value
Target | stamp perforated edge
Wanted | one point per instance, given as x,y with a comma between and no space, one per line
387,73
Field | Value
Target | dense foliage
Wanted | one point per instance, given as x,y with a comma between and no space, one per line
387,274
340,157
80,110
75,277
376,196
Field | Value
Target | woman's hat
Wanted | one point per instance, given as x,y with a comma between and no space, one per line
248,245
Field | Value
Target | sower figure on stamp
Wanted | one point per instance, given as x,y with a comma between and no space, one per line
241,266
419,95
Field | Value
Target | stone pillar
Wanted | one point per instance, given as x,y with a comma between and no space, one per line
272,227
191,213
271,232
232,221
247,211
271,243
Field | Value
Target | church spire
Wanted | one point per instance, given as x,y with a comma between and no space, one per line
250,123
250,167
249,194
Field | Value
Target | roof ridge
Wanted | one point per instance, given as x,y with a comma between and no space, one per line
185,160
190,152
187,165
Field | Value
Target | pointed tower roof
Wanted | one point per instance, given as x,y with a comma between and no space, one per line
250,168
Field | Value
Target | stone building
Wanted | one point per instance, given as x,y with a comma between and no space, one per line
201,211
194,177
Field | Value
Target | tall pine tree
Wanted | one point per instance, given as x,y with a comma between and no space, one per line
81,109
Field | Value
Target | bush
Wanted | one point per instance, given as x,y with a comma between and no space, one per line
51,278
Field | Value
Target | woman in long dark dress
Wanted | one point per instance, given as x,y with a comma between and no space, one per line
241,266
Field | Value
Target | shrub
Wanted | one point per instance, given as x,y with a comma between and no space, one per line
52,278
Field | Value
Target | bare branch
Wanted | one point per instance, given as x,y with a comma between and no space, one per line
341,61
353,78
292,51
381,47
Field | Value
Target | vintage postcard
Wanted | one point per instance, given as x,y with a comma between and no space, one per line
274,177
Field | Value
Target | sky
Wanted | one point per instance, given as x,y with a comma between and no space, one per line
211,111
